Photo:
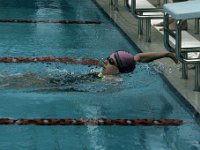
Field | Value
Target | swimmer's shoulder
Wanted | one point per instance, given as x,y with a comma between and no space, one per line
97,75
109,77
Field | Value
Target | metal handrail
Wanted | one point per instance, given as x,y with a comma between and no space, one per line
139,13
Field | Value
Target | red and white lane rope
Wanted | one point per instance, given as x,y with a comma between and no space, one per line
96,122
83,61
52,21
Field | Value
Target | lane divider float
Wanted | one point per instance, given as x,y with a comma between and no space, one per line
83,61
52,21
95,122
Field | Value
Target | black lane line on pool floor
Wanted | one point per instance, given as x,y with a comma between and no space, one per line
94,122
51,21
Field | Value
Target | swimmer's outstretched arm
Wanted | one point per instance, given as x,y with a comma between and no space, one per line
151,56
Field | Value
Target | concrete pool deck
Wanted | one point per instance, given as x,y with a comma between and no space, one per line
128,23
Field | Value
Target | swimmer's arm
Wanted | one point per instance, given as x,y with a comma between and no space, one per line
151,56
144,57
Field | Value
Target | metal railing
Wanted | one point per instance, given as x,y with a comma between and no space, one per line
145,14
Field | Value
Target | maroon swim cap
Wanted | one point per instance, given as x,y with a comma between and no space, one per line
125,61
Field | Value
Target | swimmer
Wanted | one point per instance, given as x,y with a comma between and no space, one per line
118,62
125,62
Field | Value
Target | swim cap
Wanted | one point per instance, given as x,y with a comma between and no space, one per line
125,61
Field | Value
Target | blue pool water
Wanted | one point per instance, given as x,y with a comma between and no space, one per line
25,90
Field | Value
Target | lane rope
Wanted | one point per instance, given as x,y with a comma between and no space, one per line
51,21
83,61
95,122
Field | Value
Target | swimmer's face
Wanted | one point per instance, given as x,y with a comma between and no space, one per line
110,66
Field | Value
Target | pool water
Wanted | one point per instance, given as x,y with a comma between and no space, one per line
27,90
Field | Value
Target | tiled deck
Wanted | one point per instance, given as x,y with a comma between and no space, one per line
124,19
